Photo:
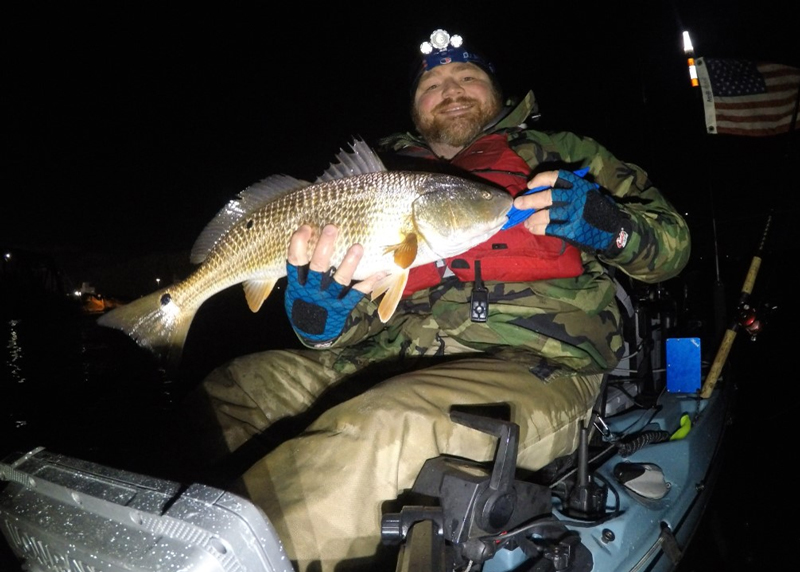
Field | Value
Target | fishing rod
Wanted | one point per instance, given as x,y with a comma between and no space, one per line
746,318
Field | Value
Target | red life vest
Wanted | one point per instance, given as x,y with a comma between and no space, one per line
513,255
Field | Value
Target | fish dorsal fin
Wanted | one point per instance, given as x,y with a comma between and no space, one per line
256,291
392,289
406,252
361,161
250,199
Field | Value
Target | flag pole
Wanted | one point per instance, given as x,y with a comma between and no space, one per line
718,304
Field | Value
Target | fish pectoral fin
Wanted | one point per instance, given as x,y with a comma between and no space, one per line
392,289
256,291
382,286
406,252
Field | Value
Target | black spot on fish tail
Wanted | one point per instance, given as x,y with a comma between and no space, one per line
166,299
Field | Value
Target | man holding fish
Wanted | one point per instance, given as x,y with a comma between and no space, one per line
527,317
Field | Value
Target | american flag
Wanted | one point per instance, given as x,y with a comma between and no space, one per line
751,98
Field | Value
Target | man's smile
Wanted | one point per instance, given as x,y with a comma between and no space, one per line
457,107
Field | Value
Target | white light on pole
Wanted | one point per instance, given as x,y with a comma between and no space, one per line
688,49
687,44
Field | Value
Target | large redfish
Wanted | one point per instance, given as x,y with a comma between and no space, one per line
403,219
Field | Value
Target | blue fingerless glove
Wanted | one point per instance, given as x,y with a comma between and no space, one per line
586,218
317,305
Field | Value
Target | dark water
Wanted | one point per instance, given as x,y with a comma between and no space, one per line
90,392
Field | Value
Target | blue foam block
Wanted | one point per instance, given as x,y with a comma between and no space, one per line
683,365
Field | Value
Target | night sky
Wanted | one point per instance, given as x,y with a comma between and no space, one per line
130,127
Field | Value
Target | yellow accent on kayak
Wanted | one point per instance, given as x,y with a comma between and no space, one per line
683,431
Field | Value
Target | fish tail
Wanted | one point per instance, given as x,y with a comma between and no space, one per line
155,324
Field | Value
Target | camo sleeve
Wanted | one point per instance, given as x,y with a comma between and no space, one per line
659,245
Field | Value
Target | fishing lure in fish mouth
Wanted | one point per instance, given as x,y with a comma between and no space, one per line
516,216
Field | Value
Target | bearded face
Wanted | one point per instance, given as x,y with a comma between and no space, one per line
439,125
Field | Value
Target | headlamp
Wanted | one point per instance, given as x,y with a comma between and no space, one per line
444,49
439,40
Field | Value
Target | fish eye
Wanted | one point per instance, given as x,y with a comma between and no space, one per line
486,195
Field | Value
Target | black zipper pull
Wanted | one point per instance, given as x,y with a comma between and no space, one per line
479,300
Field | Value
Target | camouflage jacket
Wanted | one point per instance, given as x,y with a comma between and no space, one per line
552,324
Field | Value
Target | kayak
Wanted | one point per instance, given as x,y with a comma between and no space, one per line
631,499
